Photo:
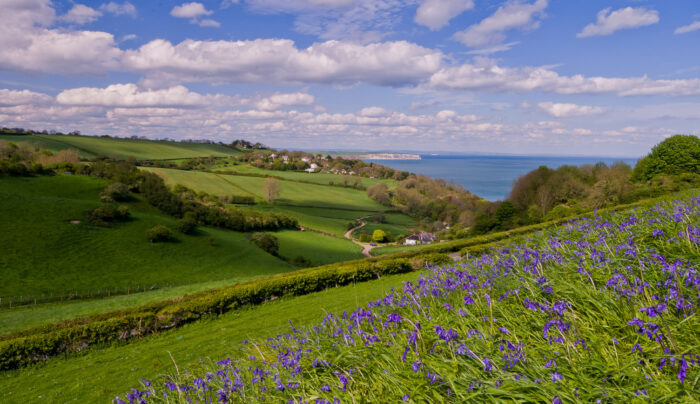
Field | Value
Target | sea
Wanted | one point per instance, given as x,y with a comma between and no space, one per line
488,176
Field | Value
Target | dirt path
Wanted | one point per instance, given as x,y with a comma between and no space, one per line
366,248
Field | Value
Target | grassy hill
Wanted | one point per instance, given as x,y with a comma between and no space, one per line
45,254
292,192
104,373
119,148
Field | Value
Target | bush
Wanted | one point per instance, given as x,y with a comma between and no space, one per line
108,213
159,233
300,261
380,236
675,155
188,224
267,242
115,191
365,238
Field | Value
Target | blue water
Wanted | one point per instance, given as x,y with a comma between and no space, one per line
490,177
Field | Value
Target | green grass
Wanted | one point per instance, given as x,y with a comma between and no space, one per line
317,248
318,178
44,254
120,148
28,316
315,219
396,249
44,143
101,374
291,193
370,227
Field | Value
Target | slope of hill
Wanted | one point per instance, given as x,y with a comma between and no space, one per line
47,255
121,148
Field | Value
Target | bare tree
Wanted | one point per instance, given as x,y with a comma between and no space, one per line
272,189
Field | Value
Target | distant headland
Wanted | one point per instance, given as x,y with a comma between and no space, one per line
381,156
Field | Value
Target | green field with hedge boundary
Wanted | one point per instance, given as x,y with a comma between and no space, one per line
23,348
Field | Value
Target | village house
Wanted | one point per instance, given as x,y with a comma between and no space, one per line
420,238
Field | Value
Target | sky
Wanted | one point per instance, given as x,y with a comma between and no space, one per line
527,77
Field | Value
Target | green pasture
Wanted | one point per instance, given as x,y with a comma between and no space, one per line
121,148
46,255
316,219
100,374
291,193
318,178
44,143
318,248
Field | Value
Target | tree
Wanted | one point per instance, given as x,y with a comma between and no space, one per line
159,233
188,224
676,155
379,236
272,189
380,193
267,242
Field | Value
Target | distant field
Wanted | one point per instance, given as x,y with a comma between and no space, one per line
314,218
292,193
370,227
90,146
319,178
45,254
101,374
317,248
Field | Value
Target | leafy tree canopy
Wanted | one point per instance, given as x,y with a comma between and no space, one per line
676,155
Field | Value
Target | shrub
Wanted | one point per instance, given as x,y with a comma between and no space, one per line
365,238
188,224
300,261
159,233
115,191
103,215
379,236
675,155
267,242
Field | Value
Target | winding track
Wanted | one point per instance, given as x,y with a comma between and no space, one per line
366,248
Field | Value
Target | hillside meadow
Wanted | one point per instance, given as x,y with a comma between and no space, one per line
48,257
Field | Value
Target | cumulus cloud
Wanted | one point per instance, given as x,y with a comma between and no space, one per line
22,97
694,26
624,18
373,111
295,6
512,15
277,101
125,8
563,110
81,14
28,45
435,14
130,95
280,61
486,75
190,10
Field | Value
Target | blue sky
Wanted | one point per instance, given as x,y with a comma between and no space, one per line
519,76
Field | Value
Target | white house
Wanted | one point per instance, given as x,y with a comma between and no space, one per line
421,238
305,159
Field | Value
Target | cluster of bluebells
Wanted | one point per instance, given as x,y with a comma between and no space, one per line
518,316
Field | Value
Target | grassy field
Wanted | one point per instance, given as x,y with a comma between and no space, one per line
43,253
396,249
329,221
318,178
370,227
292,193
101,374
90,146
317,248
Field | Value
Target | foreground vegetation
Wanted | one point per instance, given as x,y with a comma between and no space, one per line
601,308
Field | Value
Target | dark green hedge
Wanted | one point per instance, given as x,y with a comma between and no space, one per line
23,348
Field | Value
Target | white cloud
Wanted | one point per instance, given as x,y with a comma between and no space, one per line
279,61
295,6
278,101
624,18
130,95
512,15
485,75
373,112
125,8
563,110
22,97
435,14
363,21
493,49
27,45
209,23
81,14
190,10
694,26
